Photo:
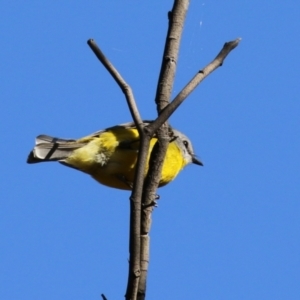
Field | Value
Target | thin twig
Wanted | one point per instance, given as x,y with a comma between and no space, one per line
191,86
126,89
103,297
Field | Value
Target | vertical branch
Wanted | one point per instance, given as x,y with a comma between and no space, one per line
162,99
135,220
170,56
135,199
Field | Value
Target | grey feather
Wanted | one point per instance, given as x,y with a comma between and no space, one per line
49,139
48,148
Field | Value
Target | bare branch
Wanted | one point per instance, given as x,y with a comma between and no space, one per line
126,89
191,86
144,194
145,246
103,297
170,55
162,99
136,196
135,219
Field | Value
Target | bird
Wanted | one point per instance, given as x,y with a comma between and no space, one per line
110,155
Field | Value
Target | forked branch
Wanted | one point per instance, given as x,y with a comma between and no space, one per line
144,191
191,86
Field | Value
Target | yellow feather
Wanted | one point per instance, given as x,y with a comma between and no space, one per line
104,161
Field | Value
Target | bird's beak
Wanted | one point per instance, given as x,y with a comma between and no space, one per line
196,161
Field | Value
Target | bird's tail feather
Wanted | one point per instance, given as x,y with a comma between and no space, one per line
48,148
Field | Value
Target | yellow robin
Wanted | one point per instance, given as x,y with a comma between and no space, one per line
110,155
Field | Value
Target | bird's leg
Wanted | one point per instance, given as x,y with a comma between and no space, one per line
152,203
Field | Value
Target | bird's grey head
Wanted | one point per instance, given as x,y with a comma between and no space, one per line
186,147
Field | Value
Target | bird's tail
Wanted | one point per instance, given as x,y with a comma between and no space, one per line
48,148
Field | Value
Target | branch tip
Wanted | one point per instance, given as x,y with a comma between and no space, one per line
232,44
103,297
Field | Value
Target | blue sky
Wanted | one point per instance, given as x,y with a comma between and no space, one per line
229,230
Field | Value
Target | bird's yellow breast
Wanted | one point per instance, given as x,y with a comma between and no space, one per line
111,157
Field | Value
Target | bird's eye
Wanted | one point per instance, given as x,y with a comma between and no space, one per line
186,143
